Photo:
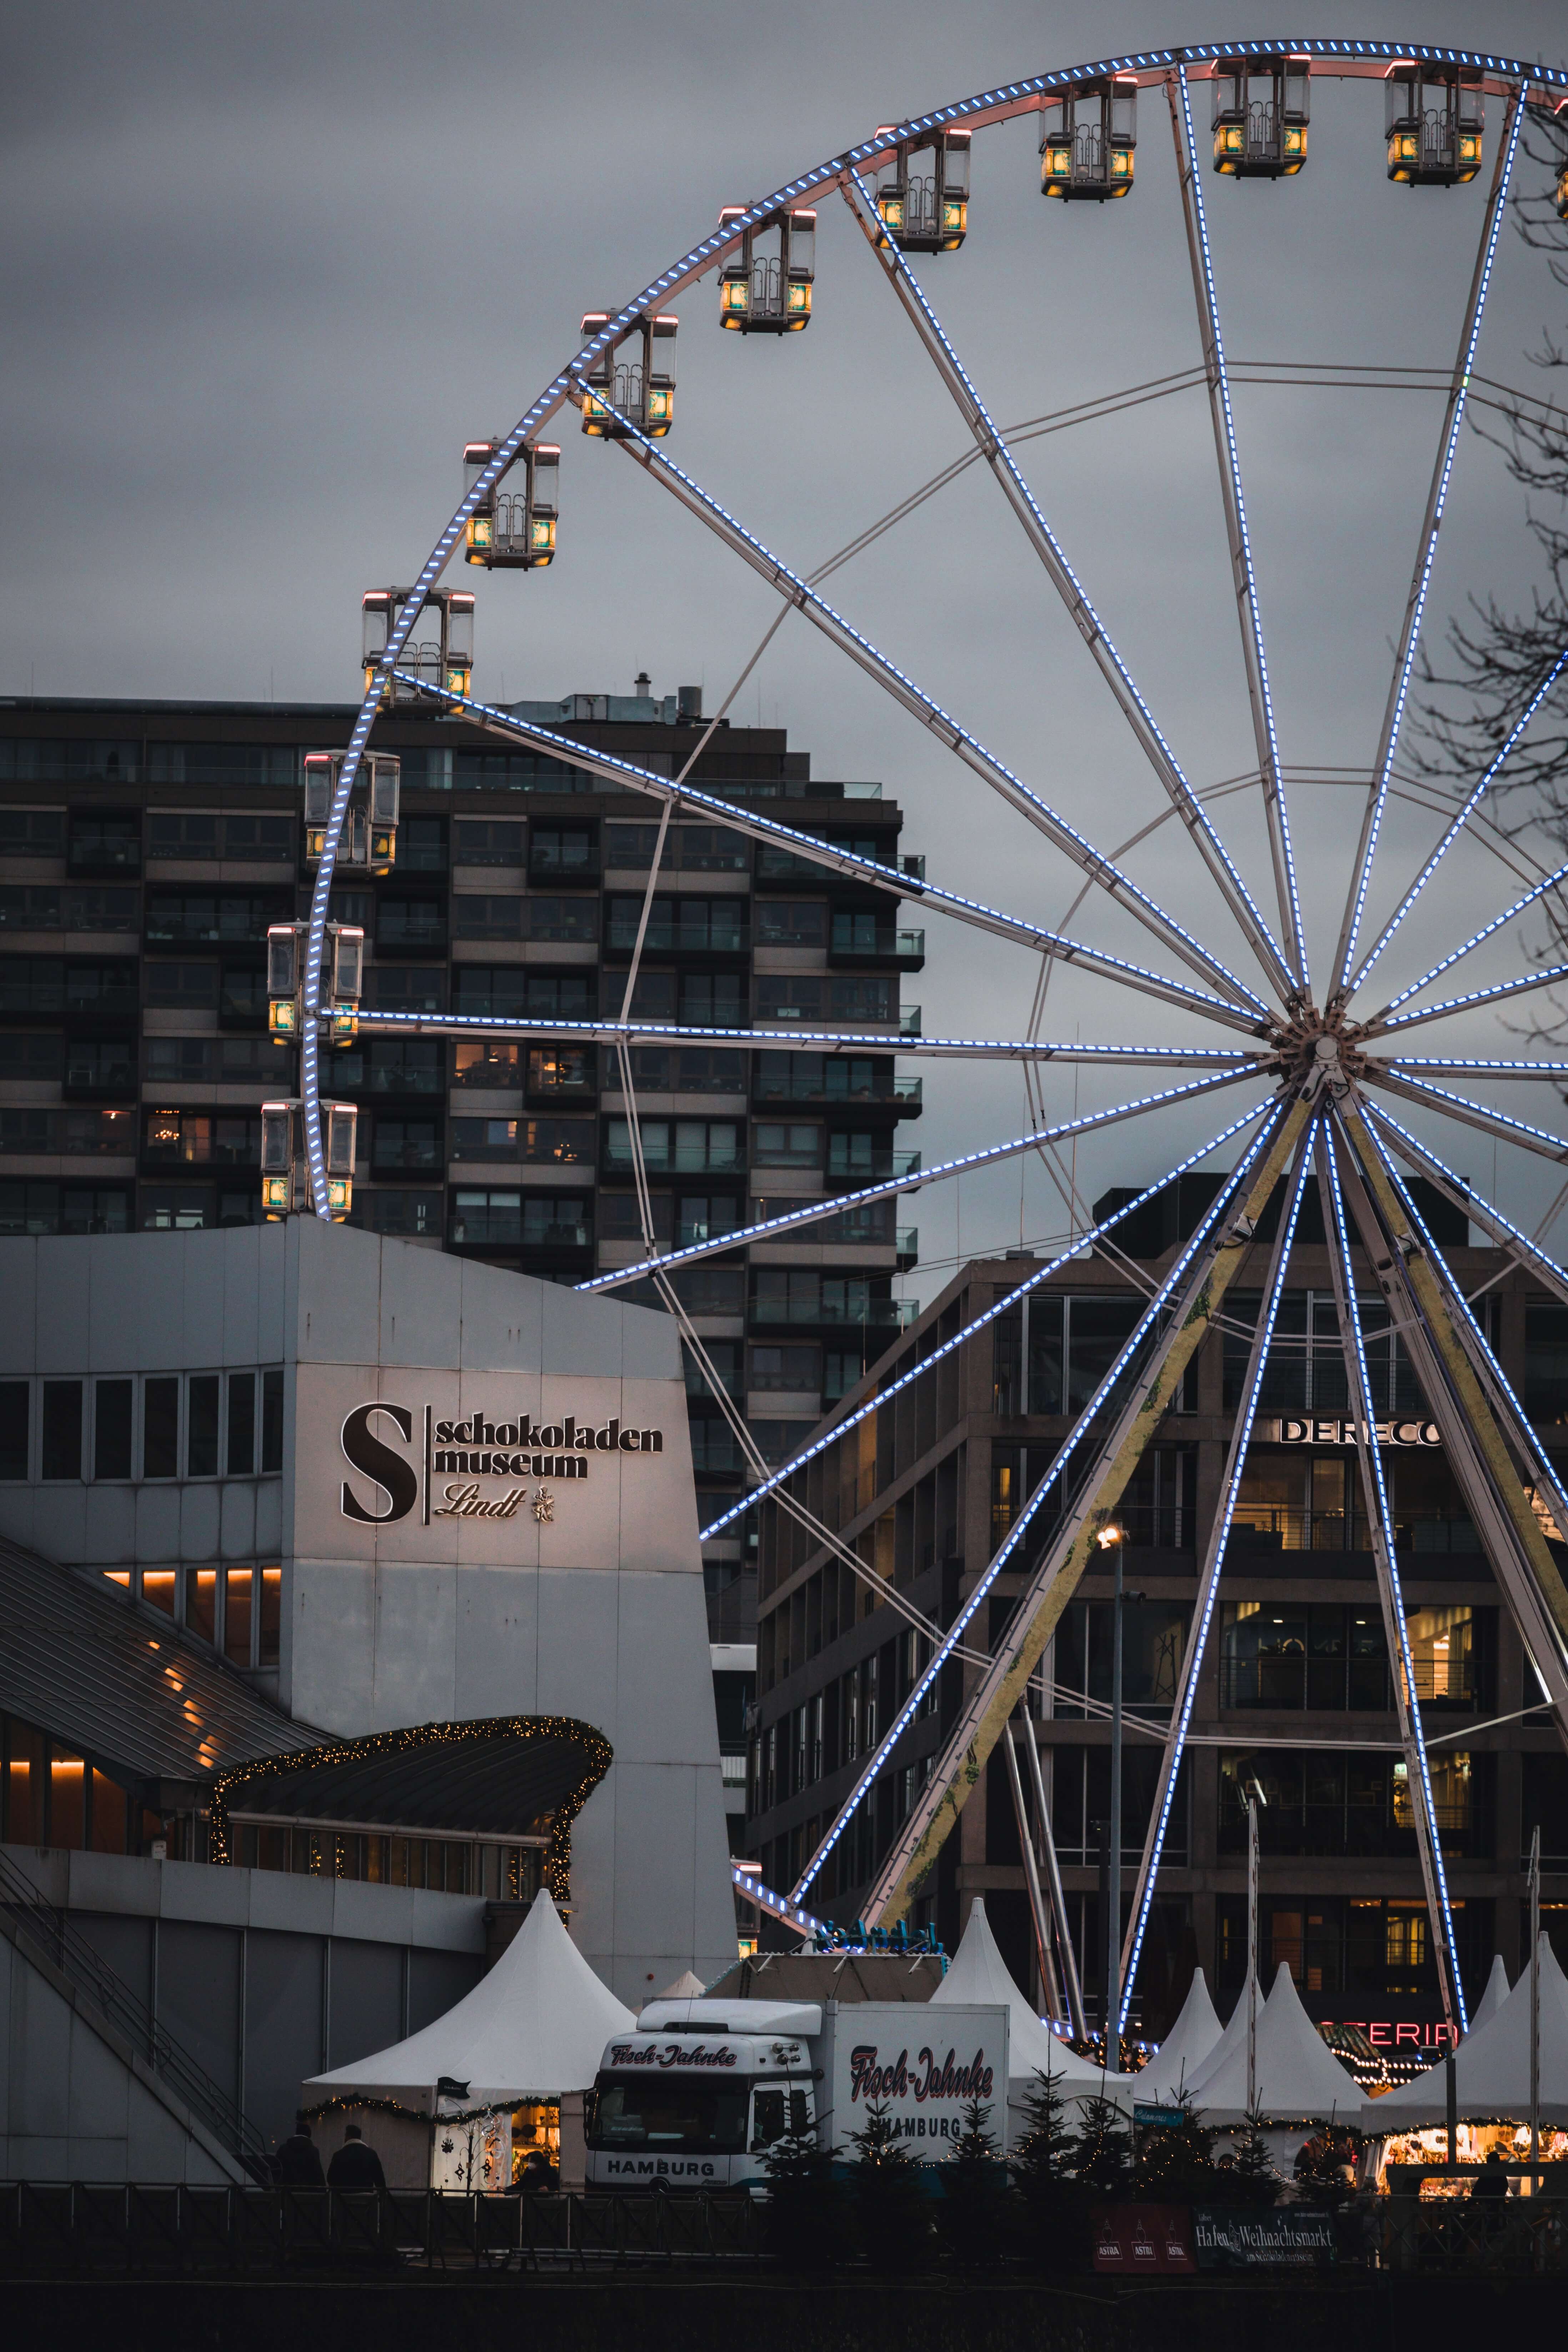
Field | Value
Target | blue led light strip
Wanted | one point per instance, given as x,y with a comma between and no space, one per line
1372,1455
1462,1062
1101,870
1252,619
994,448
812,1212
1479,1208
1548,882
843,861
1456,827
1495,1122
827,1041
1372,821
1031,1281
1173,1282
1548,978
778,1906
1219,1535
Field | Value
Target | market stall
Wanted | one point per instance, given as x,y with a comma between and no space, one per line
978,1973
1295,2078
1491,2066
1188,2047
470,2099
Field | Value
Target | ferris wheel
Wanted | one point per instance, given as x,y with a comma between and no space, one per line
1322,1049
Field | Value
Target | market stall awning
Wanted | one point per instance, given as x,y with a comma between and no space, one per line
1189,2045
978,1974
1491,2066
1298,2078
534,2028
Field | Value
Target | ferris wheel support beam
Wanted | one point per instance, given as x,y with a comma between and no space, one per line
833,1205
1208,1586
1176,1285
939,349
1427,549
1517,1245
1374,1493
1532,1580
1456,826
1477,1115
987,1705
1259,693
902,690
1380,1019
672,796
1405,1273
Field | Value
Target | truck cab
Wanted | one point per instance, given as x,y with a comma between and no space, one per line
697,2093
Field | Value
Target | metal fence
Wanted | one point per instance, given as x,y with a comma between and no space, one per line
1518,2237
82,2227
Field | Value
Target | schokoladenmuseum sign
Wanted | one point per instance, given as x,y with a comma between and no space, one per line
471,1468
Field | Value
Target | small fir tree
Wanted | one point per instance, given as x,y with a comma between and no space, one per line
1175,2163
976,2203
807,2219
892,2212
1250,2178
1323,2163
1103,2157
1051,2211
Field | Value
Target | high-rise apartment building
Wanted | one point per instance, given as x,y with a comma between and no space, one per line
146,846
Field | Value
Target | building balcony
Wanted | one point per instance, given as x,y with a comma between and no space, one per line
861,941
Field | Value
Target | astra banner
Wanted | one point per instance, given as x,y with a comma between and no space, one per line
463,1457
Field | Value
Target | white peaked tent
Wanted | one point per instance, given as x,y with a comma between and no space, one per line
1494,1995
686,1987
534,2028
1186,2049
1491,2066
1299,2079
978,1974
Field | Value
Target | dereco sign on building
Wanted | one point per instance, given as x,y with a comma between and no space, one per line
468,1494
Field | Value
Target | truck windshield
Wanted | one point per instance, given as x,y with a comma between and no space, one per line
630,2111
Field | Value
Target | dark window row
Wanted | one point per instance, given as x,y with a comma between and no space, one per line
150,1427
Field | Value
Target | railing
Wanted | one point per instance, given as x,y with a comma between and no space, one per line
1280,1526
76,2227
869,1167
1337,1684
909,1021
38,1923
1516,2237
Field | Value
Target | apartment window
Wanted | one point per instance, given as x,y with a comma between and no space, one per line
474,918
561,1068
62,1430
178,1208
413,1143
413,1217
574,921
677,1144
557,1221
420,924
111,1417
789,996
487,1218
35,1058
710,1000
785,1368
486,1062
182,987
242,994
703,1216
409,988
15,1427
792,923
487,841
161,1428
786,1143
193,919
203,1138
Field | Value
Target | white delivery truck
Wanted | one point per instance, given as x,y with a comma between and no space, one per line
696,2095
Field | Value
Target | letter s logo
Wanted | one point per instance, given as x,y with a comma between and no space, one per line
386,1469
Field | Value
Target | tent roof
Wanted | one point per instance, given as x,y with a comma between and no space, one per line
534,2027
1298,2078
1491,2065
978,1973
686,1987
1188,2046
1493,1998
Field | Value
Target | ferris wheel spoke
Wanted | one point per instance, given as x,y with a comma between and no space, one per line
1477,1115
1259,693
1208,1584
1427,549
993,446
1009,1299
1500,993
1105,966
1553,881
1452,833
1524,1250
1195,1288
812,1211
1152,1379
1469,1065
1375,1494
1106,875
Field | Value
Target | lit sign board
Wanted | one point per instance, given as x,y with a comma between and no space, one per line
461,1458
1308,1429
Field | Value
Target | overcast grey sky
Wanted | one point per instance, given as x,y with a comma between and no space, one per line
266,270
